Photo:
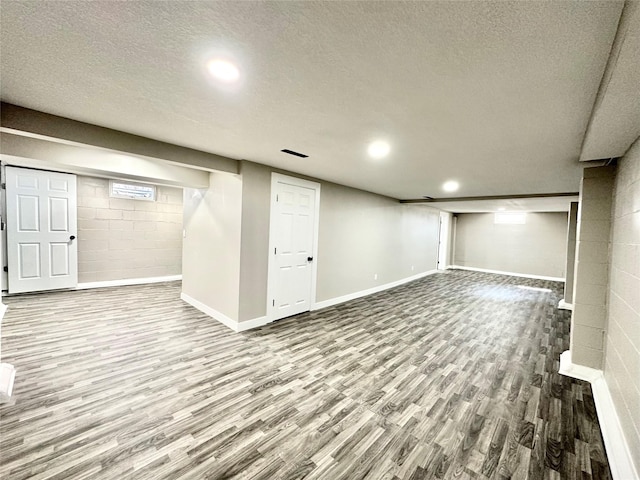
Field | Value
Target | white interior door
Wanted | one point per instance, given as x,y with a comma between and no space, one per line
42,252
293,235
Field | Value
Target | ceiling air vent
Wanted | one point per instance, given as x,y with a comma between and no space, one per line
297,154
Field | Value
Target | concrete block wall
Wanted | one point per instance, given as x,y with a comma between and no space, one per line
591,276
622,350
123,238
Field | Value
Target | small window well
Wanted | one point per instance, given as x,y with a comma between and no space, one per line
134,191
511,218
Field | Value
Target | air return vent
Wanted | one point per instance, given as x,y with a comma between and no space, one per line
297,154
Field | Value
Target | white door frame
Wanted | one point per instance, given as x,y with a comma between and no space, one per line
444,240
271,278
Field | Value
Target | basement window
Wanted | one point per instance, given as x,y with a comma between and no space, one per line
510,218
134,191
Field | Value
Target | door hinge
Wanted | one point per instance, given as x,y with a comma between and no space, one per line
3,185
6,269
275,251
273,304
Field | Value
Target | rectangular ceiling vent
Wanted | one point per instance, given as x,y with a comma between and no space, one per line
291,152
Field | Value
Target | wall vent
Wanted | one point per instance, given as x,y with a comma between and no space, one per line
291,152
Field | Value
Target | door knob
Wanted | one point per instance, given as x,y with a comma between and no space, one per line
309,259
72,237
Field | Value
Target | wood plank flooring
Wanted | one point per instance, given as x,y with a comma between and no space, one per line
451,376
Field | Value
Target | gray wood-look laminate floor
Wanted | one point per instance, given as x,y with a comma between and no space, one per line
451,376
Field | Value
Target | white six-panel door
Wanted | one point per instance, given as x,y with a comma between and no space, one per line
293,236
42,251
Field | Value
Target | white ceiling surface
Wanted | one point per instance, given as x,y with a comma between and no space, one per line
542,204
495,95
615,123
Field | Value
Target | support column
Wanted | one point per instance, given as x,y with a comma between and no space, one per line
588,323
567,302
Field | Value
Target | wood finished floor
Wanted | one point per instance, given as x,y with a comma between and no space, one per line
451,376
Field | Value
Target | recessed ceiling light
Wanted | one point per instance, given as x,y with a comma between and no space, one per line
450,186
378,149
223,70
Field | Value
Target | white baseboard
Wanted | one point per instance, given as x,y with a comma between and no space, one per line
253,323
618,453
562,305
569,369
224,319
512,274
128,281
213,313
7,377
363,293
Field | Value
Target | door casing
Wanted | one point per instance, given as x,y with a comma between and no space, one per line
277,178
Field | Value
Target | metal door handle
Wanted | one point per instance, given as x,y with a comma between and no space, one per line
309,259
72,237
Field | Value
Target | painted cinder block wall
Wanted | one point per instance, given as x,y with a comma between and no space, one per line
622,347
122,239
591,276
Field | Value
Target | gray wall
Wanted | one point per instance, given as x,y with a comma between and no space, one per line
360,234
256,204
122,238
622,351
211,247
539,247
571,252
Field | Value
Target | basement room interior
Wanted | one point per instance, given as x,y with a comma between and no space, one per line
320,240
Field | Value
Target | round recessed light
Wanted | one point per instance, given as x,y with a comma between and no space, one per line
378,149
223,70
450,186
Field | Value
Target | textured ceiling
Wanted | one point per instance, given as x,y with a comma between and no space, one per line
495,95
615,123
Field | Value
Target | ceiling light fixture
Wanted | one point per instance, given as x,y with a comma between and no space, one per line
450,186
223,70
378,149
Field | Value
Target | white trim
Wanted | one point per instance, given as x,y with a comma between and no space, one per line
562,305
512,274
253,323
213,313
618,453
128,281
7,378
222,318
275,178
364,293
569,369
